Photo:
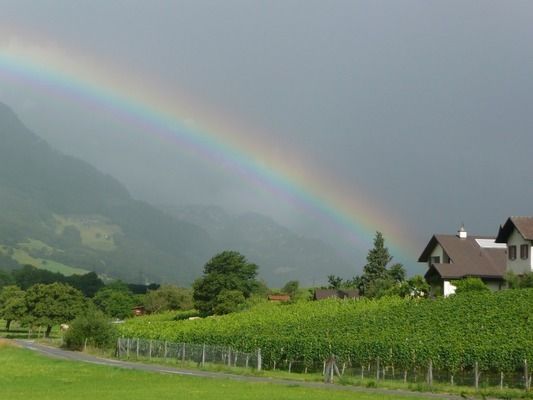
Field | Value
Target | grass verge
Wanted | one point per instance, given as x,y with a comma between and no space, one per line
27,375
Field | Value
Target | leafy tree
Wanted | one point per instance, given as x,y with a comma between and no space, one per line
53,304
167,297
229,301
29,276
229,271
415,287
380,287
291,288
468,285
334,282
6,279
519,281
397,272
88,283
115,300
92,326
12,304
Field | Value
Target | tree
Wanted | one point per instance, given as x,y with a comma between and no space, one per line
229,301
376,279
415,287
53,304
519,281
291,288
397,272
115,300
12,304
88,283
6,279
469,285
228,270
334,282
167,297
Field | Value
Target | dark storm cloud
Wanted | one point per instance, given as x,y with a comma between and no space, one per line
425,106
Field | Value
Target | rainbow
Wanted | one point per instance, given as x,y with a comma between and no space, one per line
127,98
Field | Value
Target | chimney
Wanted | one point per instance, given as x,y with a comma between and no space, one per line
461,233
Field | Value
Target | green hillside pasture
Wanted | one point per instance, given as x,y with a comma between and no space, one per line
493,329
50,379
20,254
96,233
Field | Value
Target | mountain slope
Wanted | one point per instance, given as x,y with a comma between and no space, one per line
39,186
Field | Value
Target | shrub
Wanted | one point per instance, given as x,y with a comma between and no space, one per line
93,327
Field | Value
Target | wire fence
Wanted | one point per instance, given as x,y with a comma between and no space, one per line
200,354
203,354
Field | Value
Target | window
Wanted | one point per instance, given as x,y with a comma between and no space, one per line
512,253
434,260
524,251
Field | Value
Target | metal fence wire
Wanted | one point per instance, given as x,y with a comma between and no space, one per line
202,354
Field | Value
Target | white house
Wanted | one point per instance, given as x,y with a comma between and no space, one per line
453,257
517,235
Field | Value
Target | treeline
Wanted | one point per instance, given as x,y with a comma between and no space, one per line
38,298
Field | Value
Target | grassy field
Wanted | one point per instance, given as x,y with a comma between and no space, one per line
27,375
95,231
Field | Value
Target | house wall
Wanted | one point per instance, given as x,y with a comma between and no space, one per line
518,266
448,288
438,251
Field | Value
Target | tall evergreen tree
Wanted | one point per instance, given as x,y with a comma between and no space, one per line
376,278
377,259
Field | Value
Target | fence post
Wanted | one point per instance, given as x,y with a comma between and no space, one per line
118,347
526,376
259,360
128,348
165,356
476,374
150,350
229,356
183,353
430,373
203,355
501,380
377,369
290,366
137,350
247,360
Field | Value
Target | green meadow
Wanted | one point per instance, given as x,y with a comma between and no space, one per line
28,375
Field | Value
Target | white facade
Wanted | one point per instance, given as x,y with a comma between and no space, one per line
448,288
519,265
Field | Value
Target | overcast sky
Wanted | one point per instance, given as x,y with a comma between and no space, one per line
426,107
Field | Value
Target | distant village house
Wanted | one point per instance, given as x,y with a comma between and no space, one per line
321,294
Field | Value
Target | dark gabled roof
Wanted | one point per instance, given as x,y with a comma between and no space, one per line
338,293
524,225
467,258
454,271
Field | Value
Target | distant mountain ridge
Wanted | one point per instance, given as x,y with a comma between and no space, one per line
281,254
60,213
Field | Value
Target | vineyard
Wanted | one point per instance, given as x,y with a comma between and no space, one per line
492,331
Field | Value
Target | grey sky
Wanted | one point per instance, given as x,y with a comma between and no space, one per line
424,106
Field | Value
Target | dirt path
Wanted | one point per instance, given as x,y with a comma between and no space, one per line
83,357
